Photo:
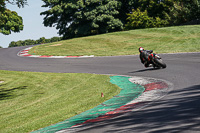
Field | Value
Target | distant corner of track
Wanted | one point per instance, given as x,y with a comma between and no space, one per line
24,53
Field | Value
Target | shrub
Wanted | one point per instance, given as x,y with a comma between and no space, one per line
138,19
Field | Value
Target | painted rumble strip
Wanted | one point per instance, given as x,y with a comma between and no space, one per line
24,53
154,90
136,93
129,92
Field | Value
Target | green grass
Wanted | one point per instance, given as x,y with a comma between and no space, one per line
32,100
161,40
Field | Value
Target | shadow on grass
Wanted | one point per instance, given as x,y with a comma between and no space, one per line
178,113
9,93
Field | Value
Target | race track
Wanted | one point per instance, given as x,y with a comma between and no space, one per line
179,111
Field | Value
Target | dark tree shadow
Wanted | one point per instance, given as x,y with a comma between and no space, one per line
9,93
175,114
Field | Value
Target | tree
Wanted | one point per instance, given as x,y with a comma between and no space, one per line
42,40
32,42
138,19
12,44
157,13
10,21
55,39
126,6
148,14
184,11
156,8
76,18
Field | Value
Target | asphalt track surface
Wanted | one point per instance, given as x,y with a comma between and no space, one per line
178,111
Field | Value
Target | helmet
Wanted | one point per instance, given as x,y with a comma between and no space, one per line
141,49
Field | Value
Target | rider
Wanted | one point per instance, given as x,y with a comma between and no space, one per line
144,56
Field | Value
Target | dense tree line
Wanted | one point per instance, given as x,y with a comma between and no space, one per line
42,40
75,18
153,13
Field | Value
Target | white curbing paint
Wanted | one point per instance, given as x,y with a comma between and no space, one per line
146,98
24,53
152,95
139,80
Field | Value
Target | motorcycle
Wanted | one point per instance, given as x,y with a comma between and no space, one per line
156,61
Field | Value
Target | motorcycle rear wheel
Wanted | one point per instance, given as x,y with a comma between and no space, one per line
160,63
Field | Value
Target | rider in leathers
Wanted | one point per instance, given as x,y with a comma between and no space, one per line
144,56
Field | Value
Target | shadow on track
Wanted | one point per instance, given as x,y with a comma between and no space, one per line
144,70
180,113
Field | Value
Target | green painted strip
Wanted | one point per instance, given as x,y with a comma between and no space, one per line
129,92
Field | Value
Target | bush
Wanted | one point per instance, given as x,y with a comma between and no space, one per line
138,20
42,40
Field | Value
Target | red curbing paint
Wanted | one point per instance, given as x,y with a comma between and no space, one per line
44,56
128,107
155,85
27,55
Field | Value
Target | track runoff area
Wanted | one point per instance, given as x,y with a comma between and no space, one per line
136,93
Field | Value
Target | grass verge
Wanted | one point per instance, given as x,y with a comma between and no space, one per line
32,100
161,40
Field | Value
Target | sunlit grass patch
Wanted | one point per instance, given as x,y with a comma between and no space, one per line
161,40
32,100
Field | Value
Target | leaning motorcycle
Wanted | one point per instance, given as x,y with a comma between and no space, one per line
156,61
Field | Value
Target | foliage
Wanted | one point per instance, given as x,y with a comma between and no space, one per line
126,6
42,40
156,8
154,13
148,14
184,11
9,20
2,5
86,17
82,17
19,3
138,19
